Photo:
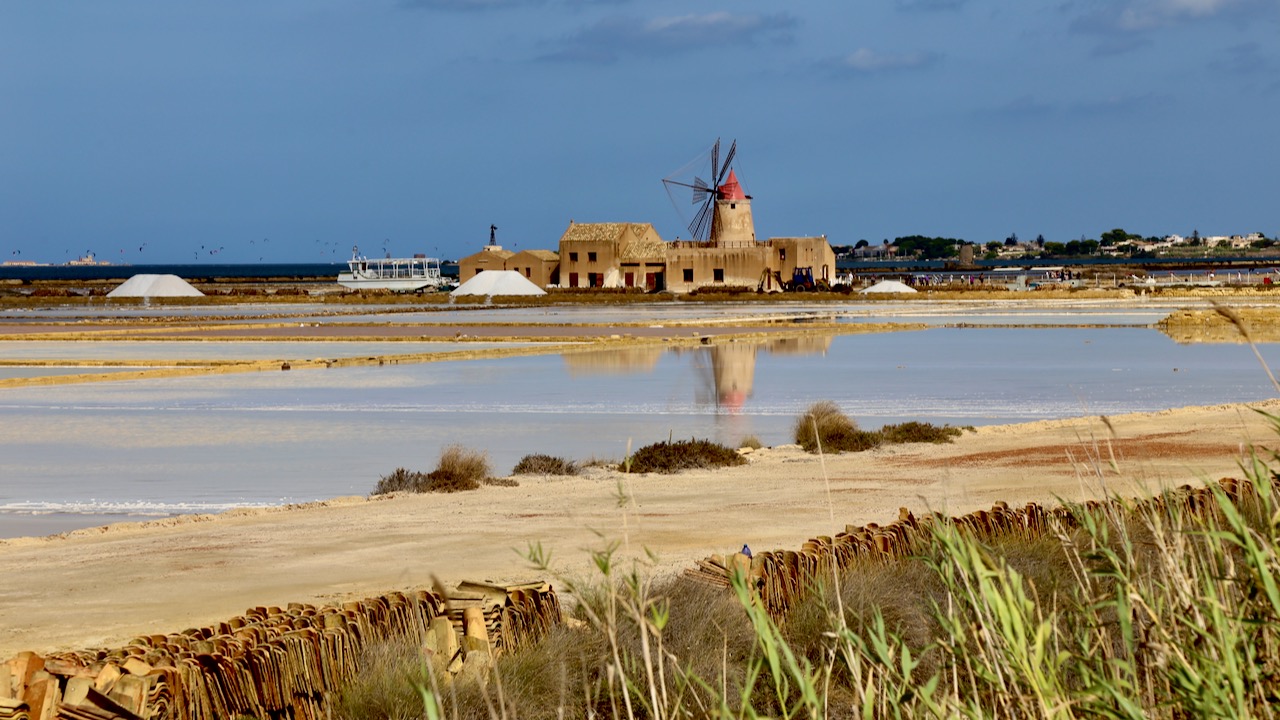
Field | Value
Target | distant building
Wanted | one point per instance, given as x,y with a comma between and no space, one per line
540,267
491,257
633,255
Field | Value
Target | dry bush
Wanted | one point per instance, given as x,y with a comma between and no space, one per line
825,426
751,441
915,432
400,479
545,465
671,457
502,482
459,469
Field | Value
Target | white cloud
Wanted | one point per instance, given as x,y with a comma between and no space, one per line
1141,15
866,61
608,39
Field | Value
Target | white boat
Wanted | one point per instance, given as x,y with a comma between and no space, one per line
398,274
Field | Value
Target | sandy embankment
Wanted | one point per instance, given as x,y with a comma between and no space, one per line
104,586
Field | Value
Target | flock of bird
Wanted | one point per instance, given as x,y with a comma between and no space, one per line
328,249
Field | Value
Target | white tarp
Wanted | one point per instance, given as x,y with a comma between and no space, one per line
889,286
155,286
498,282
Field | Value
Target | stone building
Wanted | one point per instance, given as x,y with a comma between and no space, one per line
600,255
541,267
490,257
633,254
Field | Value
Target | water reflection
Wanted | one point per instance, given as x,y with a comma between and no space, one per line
725,371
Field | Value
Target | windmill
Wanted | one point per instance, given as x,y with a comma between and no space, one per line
704,194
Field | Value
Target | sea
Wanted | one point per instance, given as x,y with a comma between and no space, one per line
189,271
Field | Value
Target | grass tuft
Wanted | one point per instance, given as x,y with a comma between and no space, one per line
399,480
672,457
545,465
459,469
824,426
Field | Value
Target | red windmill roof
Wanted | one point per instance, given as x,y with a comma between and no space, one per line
731,190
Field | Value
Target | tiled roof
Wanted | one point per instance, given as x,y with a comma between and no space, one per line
593,232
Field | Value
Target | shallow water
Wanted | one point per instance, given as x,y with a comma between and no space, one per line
207,443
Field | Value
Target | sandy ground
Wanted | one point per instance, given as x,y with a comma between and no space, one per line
103,586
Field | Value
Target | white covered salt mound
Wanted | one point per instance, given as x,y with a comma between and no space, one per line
498,282
155,286
889,286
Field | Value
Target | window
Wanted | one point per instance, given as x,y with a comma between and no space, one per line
688,274
573,257
782,254
718,275
591,257
591,279
528,272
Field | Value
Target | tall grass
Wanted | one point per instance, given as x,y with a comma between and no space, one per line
1168,608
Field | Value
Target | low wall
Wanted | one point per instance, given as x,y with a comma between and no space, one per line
781,578
271,662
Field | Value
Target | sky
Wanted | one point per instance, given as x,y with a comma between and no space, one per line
241,131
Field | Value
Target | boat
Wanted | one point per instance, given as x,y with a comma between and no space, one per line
413,274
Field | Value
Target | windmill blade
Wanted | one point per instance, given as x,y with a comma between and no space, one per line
700,190
701,225
715,160
728,159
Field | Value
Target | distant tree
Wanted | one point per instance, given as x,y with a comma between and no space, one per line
1055,249
861,244
1040,241
928,248
1011,241
995,245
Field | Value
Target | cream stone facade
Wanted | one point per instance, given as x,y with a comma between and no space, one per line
540,267
491,257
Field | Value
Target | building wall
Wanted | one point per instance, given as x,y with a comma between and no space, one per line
734,225
787,254
541,271
492,257
689,268
581,263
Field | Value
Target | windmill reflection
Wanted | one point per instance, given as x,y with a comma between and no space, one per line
725,371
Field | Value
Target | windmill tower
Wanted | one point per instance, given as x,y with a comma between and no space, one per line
724,212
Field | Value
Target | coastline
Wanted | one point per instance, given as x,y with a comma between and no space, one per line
118,581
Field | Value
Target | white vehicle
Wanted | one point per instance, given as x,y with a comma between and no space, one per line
397,274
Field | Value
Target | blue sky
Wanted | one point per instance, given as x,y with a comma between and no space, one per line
289,130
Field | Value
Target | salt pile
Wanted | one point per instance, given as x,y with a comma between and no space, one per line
498,282
155,286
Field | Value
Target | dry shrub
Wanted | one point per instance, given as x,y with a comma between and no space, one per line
751,441
502,482
459,469
825,426
400,479
916,432
671,457
545,465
